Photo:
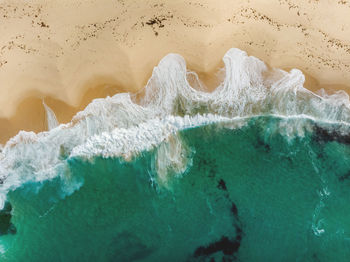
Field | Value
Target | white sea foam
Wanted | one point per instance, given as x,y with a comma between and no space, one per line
118,126
50,117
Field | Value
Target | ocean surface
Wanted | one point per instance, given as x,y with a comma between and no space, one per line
257,170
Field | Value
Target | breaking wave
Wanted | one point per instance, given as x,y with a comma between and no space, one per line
125,125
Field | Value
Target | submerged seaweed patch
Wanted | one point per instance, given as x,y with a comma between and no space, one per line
6,227
222,185
330,135
263,145
344,177
224,245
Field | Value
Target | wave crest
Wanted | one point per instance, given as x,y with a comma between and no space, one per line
118,126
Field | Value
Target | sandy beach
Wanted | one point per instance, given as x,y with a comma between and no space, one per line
69,52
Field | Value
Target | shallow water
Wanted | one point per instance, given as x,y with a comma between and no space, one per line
247,194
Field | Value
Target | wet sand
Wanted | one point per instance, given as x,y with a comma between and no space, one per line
69,52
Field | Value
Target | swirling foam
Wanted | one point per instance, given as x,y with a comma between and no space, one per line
118,126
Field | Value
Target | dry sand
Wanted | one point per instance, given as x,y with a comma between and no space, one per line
71,51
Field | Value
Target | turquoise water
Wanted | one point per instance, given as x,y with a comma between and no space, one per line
248,194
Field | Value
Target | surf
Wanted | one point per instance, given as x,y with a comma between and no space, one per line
125,125
193,166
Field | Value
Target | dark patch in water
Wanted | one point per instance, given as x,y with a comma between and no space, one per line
261,144
224,245
325,135
128,247
234,210
227,246
320,155
222,185
6,227
209,166
344,177
239,233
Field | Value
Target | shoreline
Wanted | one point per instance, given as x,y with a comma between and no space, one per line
49,52
64,112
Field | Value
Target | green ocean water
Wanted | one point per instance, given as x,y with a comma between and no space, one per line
248,194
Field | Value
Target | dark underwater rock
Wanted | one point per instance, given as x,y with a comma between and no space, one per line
224,245
6,227
260,144
222,185
228,247
234,210
326,135
344,177
208,166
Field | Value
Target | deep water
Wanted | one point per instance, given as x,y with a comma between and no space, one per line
248,194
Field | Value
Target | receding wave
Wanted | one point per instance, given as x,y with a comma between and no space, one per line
125,125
